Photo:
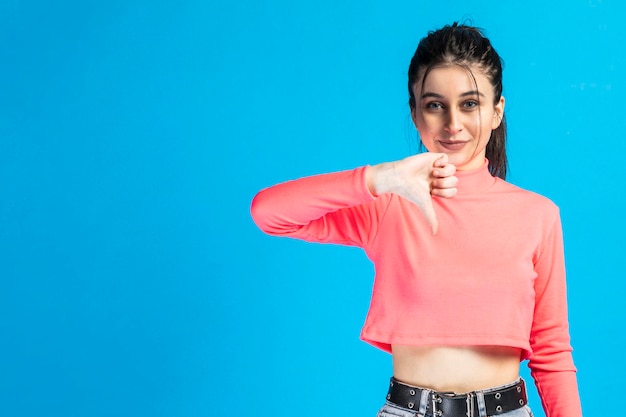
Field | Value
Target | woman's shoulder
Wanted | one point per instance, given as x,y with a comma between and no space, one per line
524,198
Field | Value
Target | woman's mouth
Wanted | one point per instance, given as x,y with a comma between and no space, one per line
452,145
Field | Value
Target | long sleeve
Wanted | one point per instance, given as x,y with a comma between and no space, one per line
551,362
486,229
331,208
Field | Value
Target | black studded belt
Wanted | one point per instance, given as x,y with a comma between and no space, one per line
437,404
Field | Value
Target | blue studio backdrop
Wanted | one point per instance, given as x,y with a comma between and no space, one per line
134,135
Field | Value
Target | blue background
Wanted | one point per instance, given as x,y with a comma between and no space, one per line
134,134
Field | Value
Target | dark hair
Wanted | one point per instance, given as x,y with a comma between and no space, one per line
464,45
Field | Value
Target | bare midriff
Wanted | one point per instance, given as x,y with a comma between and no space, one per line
458,369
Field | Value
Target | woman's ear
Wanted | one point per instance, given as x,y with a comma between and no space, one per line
498,114
414,115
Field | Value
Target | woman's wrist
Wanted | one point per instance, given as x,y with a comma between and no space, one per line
377,178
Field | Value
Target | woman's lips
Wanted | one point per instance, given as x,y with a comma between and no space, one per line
452,145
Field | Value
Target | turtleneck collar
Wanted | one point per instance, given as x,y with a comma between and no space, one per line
475,180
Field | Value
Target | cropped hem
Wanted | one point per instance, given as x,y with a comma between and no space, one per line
384,341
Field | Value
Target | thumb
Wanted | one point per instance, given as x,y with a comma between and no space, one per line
431,217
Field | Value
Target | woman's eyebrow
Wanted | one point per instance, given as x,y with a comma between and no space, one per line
467,93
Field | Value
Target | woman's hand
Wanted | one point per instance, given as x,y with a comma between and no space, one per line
416,178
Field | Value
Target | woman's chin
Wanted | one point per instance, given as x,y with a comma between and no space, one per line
465,163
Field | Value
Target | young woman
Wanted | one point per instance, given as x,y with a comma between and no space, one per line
470,276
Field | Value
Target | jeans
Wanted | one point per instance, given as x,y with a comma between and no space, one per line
393,410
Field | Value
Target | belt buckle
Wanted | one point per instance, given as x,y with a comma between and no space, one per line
469,404
469,407
436,398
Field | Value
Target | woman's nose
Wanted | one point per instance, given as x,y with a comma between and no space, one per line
453,123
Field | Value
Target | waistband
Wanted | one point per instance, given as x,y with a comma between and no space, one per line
490,402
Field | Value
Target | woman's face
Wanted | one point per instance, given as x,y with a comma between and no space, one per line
456,115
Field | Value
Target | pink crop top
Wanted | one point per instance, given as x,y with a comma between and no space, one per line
493,275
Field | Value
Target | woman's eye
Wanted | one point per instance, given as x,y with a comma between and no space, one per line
434,105
470,104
